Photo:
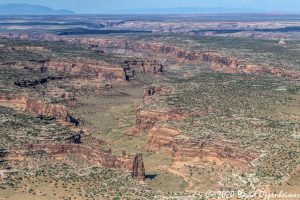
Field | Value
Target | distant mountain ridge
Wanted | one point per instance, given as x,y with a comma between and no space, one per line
26,9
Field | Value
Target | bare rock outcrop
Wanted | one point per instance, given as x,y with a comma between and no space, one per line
167,53
146,119
45,109
144,66
162,138
125,71
102,70
217,61
170,53
212,151
95,156
36,107
138,169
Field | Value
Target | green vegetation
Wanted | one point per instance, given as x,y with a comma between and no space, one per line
250,110
251,51
17,129
63,181
259,113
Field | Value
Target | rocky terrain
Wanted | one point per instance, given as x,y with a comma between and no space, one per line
172,54
148,116
35,107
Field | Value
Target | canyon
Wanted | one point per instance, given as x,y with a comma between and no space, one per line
146,115
170,54
94,155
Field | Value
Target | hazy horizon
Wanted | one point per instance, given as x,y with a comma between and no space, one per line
166,6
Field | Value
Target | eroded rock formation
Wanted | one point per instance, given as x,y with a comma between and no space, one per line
144,66
101,70
167,53
146,119
162,138
95,156
36,107
125,71
217,61
173,54
210,151
138,169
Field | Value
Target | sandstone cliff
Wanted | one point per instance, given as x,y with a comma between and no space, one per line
138,169
35,107
211,151
174,54
146,119
162,138
102,70
167,53
95,157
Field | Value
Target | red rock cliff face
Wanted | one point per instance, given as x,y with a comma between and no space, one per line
173,54
146,119
168,53
211,151
125,71
103,70
138,169
162,138
35,107
95,156
144,66
45,109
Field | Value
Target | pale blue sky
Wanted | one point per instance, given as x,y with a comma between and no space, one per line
100,6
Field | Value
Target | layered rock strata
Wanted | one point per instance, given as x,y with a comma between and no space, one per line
138,169
146,119
39,108
162,138
211,151
95,156
167,53
102,70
